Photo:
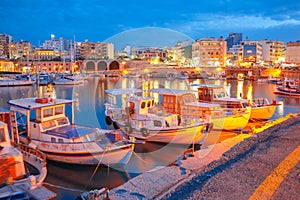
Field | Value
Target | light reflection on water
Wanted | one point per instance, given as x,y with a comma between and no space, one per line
89,110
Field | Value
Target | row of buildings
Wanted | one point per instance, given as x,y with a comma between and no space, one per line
204,52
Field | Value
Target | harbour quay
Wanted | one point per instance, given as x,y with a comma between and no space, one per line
261,164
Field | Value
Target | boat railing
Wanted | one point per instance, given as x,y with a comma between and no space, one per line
36,158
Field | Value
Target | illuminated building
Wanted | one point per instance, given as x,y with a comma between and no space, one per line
96,50
293,52
272,51
210,52
252,51
233,39
5,41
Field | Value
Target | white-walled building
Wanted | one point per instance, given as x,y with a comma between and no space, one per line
272,51
293,52
209,52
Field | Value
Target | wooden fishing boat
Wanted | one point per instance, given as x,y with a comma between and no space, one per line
14,182
185,103
141,118
46,127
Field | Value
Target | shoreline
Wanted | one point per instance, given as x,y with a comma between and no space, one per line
160,183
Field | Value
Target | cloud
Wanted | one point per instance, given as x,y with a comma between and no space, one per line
203,22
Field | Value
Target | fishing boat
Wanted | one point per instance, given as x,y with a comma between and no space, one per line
44,124
14,81
44,78
262,109
185,103
140,117
289,88
65,80
15,183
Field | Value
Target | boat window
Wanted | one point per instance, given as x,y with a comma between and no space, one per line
59,110
53,139
148,104
60,140
143,105
48,124
2,136
157,123
48,112
62,121
172,99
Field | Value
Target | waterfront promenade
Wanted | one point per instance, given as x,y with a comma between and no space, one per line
261,165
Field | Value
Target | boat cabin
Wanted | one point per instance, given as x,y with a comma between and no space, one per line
210,93
218,94
140,105
117,97
11,160
40,115
185,103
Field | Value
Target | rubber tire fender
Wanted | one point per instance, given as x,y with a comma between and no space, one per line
108,120
145,132
128,129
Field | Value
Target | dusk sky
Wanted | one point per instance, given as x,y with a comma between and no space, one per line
96,20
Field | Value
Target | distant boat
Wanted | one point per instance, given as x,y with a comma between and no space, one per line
141,118
10,82
44,78
44,124
65,80
289,88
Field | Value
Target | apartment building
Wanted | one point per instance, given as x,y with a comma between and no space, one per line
209,52
5,41
96,50
293,52
272,51
252,51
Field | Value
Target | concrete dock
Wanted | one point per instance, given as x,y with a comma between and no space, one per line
236,168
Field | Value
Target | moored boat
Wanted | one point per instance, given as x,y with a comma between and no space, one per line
14,182
65,80
261,109
219,94
184,102
47,127
11,82
141,118
288,88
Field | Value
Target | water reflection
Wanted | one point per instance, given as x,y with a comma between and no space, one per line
89,110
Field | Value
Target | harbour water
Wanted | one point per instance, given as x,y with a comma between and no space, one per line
69,180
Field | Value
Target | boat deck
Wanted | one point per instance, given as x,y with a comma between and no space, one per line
70,131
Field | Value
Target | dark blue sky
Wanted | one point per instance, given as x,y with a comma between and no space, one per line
98,20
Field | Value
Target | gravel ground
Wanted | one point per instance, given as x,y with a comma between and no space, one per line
243,168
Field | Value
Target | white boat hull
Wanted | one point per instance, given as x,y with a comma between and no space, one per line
89,153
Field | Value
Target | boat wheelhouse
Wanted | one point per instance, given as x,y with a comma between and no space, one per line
218,94
45,125
143,119
185,103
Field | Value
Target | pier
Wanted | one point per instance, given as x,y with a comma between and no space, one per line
259,164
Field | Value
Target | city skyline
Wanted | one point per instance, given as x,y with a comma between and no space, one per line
134,21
